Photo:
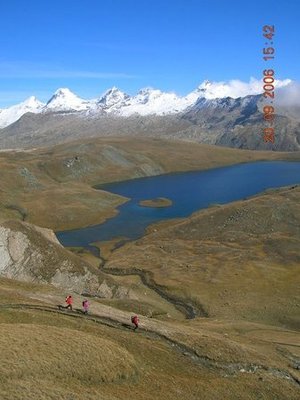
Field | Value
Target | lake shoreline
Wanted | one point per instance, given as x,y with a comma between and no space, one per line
221,185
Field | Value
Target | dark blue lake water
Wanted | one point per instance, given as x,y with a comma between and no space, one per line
189,191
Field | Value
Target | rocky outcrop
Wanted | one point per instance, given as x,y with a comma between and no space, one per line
33,254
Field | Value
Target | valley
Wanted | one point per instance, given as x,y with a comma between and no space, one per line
217,293
53,187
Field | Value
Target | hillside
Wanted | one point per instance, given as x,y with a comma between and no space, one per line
98,356
238,261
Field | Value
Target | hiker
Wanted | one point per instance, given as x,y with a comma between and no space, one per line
85,306
69,301
135,321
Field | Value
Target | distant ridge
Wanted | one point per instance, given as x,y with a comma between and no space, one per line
201,116
147,101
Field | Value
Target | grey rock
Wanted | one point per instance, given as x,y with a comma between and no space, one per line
33,254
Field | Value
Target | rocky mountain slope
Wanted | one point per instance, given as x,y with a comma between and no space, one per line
239,123
33,254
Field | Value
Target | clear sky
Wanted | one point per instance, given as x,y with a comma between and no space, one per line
173,45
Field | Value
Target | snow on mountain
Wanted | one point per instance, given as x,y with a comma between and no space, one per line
112,98
65,100
12,114
235,88
152,101
146,102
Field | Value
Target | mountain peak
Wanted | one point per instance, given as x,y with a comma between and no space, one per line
114,89
33,102
148,90
13,113
65,100
63,92
112,97
205,84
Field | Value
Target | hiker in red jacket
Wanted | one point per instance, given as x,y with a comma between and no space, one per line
69,301
135,321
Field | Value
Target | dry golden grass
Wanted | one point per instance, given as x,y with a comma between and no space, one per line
61,355
52,356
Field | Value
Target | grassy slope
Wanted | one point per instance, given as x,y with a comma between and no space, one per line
84,358
239,261
53,187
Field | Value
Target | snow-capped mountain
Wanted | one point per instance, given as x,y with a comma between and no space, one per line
147,101
235,88
112,99
12,114
151,101
65,100
201,116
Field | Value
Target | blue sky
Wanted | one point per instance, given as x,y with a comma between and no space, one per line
92,45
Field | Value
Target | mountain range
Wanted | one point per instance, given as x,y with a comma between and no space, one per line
147,101
202,115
